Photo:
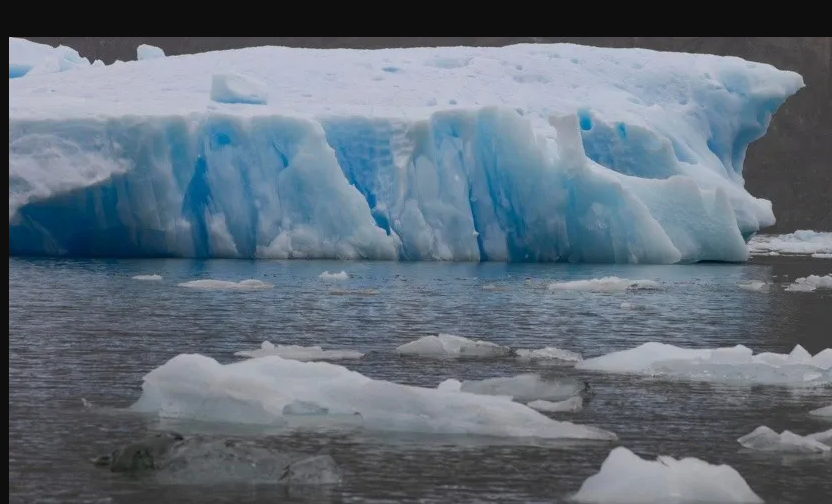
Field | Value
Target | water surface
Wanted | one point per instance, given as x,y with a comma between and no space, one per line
86,329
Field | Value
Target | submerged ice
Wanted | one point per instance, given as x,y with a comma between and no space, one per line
271,391
547,153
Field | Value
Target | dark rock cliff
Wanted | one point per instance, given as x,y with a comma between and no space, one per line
791,165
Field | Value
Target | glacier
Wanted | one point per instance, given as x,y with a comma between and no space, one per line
521,153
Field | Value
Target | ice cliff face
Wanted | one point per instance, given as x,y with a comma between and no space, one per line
522,153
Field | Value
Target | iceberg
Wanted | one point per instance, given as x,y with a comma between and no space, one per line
525,153
736,364
272,391
626,478
766,439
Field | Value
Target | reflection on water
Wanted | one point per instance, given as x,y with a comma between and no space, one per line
86,329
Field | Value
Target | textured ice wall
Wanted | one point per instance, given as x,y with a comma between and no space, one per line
523,153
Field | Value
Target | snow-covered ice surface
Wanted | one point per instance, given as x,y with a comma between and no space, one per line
238,88
736,364
764,438
300,353
804,242
626,478
30,58
256,391
520,153
811,283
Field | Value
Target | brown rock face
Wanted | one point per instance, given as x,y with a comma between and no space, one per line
791,165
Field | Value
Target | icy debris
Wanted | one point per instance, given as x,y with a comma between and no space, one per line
300,353
626,478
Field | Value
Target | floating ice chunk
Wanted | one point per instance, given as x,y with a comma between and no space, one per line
753,285
606,284
250,284
822,256
525,387
451,346
811,283
493,287
765,439
548,353
299,353
146,52
735,364
570,405
326,275
315,470
255,392
148,277
238,88
825,412
626,478
799,242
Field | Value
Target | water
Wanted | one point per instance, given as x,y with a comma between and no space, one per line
85,329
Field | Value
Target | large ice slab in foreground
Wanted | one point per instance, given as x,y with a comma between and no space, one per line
271,390
736,364
521,153
626,478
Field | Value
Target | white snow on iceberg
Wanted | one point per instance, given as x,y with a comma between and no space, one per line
765,439
300,353
736,364
626,478
811,283
31,58
548,153
800,242
256,392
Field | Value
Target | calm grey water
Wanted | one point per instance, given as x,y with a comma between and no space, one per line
85,329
